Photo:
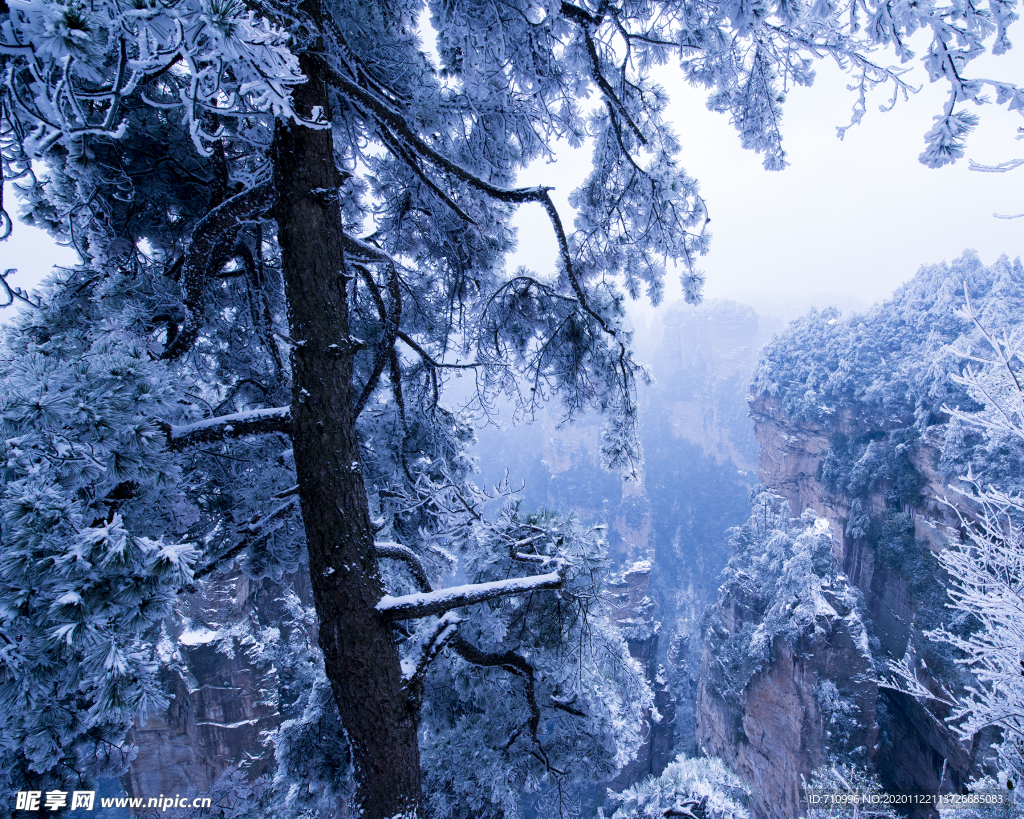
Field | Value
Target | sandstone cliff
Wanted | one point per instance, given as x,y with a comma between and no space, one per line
785,675
918,752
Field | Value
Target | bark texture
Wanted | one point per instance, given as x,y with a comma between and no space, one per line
360,656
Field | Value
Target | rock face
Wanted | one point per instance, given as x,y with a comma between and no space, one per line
776,731
223,699
632,610
774,734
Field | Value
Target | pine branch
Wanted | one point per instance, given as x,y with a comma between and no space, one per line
437,365
514,663
14,293
425,604
253,532
390,319
236,425
445,630
208,251
396,551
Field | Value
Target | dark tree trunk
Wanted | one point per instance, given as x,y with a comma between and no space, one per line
361,658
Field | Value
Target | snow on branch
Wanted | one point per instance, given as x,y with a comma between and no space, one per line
1002,167
210,247
414,670
235,425
396,551
425,604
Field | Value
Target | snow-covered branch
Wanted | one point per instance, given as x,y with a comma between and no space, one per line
425,604
235,425
414,670
12,293
396,551
210,248
997,384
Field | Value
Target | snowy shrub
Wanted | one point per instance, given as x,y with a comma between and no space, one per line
684,785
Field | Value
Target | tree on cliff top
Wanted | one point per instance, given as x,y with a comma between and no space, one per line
292,224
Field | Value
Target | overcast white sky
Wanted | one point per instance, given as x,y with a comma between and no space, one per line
852,219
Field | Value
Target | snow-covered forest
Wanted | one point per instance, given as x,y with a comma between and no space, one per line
317,501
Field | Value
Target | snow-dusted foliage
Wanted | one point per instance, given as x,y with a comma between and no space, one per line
784,572
70,64
686,788
491,737
986,586
889,365
92,515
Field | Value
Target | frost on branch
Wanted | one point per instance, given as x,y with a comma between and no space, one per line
986,566
71,64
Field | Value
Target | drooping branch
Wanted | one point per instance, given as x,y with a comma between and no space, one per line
444,631
438,365
259,307
586,22
396,551
514,663
405,143
425,604
357,249
235,425
209,249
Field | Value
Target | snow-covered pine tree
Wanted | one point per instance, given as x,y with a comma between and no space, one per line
299,219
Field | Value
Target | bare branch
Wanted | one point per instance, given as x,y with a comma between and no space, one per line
425,604
236,425
429,359
208,250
